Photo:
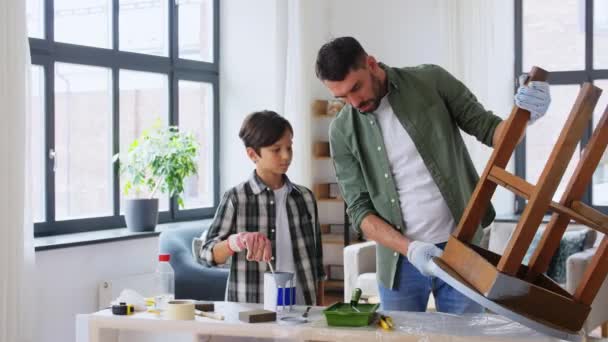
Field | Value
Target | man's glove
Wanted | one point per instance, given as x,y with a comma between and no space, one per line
420,254
258,246
533,97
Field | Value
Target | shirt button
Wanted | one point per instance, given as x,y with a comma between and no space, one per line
271,202
271,258
371,122
392,200
398,227
396,254
272,230
386,175
379,148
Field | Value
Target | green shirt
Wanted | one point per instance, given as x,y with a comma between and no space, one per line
432,107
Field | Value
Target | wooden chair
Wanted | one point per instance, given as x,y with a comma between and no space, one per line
503,280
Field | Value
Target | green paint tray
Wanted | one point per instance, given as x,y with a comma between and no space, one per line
343,315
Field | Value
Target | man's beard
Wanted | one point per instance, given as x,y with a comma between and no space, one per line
376,89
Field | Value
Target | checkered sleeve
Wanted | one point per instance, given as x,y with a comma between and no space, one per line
224,224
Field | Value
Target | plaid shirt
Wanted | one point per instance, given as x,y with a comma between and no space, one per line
250,207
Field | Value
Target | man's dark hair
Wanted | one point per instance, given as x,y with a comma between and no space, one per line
338,57
263,128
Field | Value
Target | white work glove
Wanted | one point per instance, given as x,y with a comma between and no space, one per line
420,255
533,97
258,246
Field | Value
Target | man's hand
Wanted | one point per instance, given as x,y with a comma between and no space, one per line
533,97
420,254
258,246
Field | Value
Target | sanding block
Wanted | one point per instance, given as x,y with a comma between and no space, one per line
257,316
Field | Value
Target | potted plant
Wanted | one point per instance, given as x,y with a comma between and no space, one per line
157,162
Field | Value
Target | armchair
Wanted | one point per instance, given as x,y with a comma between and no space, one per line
192,280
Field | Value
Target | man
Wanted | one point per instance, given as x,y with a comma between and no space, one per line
402,164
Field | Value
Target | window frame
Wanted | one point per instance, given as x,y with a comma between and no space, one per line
46,52
589,74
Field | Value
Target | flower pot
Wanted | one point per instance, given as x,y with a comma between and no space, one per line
141,214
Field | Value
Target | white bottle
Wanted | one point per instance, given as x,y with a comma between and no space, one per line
165,281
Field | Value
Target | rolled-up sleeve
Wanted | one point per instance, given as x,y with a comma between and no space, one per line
470,115
350,179
223,225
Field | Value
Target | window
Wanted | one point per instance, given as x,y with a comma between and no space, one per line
104,70
196,98
569,39
84,22
35,18
149,39
599,192
82,160
195,29
38,137
144,99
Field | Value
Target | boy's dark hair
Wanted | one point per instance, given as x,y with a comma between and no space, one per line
263,128
338,57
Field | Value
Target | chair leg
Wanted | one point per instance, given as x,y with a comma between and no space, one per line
605,329
549,180
539,263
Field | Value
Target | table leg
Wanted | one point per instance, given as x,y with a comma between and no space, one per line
94,331
98,334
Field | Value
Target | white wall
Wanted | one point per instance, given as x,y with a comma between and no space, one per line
67,280
248,77
397,32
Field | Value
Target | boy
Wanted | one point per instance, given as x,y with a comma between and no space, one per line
267,219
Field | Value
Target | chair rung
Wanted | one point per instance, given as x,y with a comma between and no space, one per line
579,211
511,182
593,214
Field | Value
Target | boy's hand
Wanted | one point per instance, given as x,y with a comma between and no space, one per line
258,246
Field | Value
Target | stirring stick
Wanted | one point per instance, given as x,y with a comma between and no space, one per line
271,269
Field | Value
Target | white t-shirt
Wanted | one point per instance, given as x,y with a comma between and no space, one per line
284,247
425,212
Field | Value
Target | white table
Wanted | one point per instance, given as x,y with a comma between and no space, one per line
409,327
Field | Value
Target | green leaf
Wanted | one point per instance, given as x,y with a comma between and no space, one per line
159,160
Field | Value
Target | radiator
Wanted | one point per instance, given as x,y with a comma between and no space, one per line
110,289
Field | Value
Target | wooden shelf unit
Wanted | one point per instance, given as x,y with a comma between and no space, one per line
327,193
320,150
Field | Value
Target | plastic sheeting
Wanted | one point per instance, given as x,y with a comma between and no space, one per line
409,326
416,326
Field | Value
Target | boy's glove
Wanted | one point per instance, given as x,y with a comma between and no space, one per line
420,255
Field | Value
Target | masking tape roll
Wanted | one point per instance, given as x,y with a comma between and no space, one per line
181,310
